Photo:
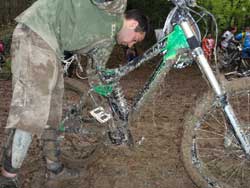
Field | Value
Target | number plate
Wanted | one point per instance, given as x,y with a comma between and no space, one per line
100,115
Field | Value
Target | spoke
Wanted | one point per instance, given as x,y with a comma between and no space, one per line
213,149
238,103
217,155
222,150
224,119
212,132
216,119
242,174
220,158
235,170
209,138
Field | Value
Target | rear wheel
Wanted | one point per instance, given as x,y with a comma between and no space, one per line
82,134
211,154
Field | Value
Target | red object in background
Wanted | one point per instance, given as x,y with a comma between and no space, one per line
1,47
208,46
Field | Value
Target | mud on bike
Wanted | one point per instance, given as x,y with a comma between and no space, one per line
216,139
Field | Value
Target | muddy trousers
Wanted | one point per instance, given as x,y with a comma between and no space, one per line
37,98
18,143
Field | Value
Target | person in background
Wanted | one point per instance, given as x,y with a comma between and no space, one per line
208,46
244,37
228,37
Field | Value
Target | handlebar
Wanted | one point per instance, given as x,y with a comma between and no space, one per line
182,3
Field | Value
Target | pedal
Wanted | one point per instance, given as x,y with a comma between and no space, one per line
100,115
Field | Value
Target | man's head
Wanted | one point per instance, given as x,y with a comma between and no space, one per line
247,29
134,29
233,29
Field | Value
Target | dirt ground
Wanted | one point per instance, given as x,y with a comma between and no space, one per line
155,160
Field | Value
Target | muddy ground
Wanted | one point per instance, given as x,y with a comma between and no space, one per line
155,160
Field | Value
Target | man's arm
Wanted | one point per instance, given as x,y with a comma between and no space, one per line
98,55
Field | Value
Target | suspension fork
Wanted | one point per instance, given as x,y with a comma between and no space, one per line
198,53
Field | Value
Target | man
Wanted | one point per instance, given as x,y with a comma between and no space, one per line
44,31
245,38
228,37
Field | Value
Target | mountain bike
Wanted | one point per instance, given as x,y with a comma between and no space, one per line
231,63
215,145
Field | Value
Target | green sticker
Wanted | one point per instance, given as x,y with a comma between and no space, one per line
176,40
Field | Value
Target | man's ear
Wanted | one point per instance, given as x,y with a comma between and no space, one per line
132,24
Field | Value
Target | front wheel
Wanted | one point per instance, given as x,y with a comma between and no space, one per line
211,154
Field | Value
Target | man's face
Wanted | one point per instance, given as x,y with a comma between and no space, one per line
247,29
127,36
234,30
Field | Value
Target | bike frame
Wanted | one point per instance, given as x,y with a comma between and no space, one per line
67,62
183,36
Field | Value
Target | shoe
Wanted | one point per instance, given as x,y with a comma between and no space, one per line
65,174
8,182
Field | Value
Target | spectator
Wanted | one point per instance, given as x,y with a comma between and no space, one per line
244,37
208,46
228,37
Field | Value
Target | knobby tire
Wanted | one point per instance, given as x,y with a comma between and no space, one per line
210,153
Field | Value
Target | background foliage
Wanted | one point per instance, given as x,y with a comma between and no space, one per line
226,12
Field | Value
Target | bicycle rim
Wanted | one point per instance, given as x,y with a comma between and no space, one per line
211,154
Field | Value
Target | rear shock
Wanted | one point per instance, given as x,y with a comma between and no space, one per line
120,133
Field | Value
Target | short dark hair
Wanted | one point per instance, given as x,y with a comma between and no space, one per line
232,28
143,20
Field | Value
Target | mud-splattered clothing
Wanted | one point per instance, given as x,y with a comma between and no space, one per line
44,31
37,83
73,24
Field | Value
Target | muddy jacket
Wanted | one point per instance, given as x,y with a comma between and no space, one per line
75,24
